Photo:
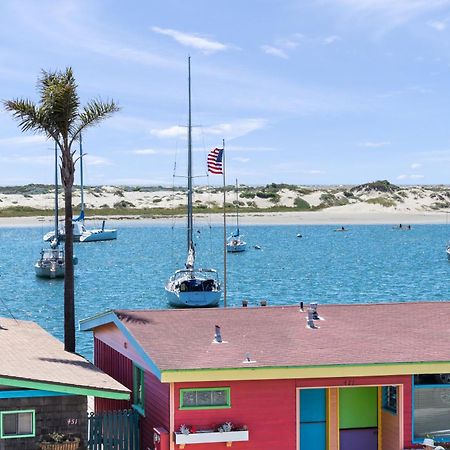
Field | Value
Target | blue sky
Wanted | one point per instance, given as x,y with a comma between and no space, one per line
302,91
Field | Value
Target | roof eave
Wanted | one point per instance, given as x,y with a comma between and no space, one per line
66,388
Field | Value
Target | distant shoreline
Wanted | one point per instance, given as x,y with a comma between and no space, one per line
331,216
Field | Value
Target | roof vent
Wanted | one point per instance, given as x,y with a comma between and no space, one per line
263,303
217,335
244,303
310,319
248,359
313,308
301,306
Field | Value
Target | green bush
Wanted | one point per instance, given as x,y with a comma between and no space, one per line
383,201
301,204
124,204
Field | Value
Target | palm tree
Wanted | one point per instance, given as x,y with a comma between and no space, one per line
59,117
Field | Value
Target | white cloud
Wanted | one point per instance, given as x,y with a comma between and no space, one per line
438,25
171,132
192,40
415,166
413,176
227,130
41,160
22,140
92,160
372,144
274,51
331,39
240,159
152,151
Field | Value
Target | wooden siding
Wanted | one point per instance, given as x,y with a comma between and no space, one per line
156,393
268,408
157,400
117,366
407,411
333,419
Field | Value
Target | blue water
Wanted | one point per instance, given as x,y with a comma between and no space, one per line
366,264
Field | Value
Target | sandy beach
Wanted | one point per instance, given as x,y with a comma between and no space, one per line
332,216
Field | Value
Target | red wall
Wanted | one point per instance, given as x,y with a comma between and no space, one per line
157,398
117,366
268,408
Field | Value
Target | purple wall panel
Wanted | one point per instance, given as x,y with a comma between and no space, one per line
358,439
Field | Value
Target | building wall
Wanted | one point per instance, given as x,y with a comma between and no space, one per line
157,397
65,414
269,410
117,366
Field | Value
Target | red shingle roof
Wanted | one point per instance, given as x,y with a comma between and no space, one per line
278,336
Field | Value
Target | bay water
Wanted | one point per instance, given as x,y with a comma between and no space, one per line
367,263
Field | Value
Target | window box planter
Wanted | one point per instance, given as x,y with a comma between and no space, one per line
211,437
74,445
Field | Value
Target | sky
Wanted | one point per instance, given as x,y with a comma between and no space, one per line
308,92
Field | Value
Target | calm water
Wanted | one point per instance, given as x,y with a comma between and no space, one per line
366,264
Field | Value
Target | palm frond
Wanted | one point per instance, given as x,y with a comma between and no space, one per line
93,113
30,117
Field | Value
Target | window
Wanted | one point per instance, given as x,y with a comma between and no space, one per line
431,408
389,394
208,398
17,424
138,390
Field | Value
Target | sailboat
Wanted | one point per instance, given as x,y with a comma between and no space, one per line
191,287
234,243
80,232
51,263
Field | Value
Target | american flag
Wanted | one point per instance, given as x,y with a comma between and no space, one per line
215,161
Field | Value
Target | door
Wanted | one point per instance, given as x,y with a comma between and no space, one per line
358,418
313,419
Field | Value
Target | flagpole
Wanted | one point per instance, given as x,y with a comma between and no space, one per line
224,231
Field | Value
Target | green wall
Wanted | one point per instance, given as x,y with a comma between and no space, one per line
358,407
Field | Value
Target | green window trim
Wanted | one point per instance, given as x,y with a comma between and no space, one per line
17,436
138,390
224,406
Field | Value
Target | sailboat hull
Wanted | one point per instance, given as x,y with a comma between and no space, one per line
236,248
49,271
205,299
98,235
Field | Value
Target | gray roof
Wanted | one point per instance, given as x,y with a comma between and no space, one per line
33,358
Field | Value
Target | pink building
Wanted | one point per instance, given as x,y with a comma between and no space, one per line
352,377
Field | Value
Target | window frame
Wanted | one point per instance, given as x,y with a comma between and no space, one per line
437,439
138,380
18,436
227,394
387,398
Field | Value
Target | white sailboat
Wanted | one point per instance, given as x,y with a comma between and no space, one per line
80,232
51,263
235,243
191,287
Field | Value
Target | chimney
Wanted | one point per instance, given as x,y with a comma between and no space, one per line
263,303
244,303
301,306
217,335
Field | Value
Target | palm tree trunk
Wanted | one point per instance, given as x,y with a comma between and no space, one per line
69,284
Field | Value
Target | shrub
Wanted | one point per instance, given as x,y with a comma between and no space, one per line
123,204
383,201
301,204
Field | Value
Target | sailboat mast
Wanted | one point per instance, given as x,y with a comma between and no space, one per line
81,180
56,192
237,207
190,224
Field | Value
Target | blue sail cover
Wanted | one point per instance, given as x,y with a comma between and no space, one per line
79,218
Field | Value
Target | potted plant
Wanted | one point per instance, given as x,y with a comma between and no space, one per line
59,441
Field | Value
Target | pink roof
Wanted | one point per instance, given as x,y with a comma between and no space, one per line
278,336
